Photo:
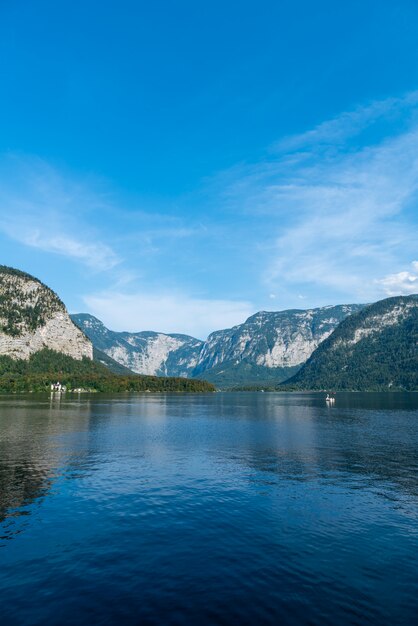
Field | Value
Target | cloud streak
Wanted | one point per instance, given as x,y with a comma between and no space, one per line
350,123
326,216
40,208
96,256
341,210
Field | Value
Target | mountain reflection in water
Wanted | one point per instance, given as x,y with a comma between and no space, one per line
221,508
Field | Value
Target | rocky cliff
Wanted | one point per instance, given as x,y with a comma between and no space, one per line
274,339
268,346
148,353
32,318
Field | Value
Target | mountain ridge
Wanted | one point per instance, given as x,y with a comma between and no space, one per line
347,347
145,352
374,349
268,346
40,344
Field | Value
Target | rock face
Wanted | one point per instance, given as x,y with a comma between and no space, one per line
144,352
376,349
32,317
282,339
268,346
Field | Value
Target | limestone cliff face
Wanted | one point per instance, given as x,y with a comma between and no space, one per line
146,352
255,350
32,317
273,339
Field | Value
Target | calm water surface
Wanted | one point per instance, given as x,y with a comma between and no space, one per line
209,509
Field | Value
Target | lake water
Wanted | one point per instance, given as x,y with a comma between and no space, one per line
245,508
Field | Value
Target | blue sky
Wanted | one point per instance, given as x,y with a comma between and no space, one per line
178,165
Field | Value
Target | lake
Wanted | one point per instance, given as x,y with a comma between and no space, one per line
226,508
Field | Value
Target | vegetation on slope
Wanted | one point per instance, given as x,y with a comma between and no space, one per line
384,358
47,366
232,375
24,310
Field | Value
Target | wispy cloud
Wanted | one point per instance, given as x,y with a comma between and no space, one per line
350,123
349,216
97,256
41,208
57,212
166,312
326,216
337,213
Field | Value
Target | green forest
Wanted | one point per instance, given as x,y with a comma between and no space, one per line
47,366
386,358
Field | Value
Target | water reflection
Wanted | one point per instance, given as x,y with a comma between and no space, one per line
29,458
363,438
253,508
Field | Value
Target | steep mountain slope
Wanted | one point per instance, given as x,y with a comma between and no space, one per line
144,352
375,349
267,347
111,364
32,318
39,344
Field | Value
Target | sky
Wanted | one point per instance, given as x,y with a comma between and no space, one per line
178,165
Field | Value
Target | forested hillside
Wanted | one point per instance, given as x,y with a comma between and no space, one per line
46,367
375,349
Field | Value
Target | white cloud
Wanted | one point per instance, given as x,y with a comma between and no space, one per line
337,214
349,123
326,214
350,222
42,209
170,312
401,283
97,256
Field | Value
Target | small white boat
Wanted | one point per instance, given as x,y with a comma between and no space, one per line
330,399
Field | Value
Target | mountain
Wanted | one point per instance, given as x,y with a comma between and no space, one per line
268,347
150,353
32,317
40,344
111,364
374,349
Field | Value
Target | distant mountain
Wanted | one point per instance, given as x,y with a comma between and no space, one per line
32,317
151,353
40,344
268,347
374,349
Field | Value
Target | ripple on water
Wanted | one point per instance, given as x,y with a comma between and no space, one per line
231,508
